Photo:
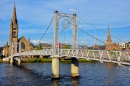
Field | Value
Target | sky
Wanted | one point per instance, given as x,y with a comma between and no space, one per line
34,17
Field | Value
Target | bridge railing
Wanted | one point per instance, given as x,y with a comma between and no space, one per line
102,55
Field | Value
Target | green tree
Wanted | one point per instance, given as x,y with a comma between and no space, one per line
39,47
66,47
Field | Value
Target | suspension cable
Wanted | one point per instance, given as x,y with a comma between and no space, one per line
46,30
98,29
92,36
96,38
89,35
62,31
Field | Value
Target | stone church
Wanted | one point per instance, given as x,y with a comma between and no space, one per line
109,44
14,42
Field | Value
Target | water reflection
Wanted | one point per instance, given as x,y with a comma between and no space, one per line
55,82
39,74
75,81
110,72
65,82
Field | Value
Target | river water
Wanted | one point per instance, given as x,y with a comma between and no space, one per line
39,74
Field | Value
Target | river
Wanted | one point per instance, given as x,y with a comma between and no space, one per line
39,74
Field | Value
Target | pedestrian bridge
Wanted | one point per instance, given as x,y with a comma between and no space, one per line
120,57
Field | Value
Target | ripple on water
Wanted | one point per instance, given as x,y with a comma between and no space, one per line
39,74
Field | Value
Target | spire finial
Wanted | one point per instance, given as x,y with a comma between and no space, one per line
7,43
14,5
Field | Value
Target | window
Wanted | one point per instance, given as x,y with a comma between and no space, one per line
14,34
14,28
22,45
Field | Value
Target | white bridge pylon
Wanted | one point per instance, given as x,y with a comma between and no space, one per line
57,17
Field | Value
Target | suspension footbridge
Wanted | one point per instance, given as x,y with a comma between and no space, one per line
119,57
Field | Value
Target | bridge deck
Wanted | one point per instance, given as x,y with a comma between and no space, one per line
120,57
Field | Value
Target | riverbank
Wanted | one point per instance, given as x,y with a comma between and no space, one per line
1,60
31,60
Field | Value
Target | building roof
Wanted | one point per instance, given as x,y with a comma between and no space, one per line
26,40
21,38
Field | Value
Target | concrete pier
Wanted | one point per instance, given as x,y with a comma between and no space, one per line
55,68
19,61
15,61
11,60
74,67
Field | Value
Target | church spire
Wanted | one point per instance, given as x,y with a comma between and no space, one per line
7,43
108,34
109,41
14,17
13,32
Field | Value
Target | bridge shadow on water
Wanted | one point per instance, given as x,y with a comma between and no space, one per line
34,78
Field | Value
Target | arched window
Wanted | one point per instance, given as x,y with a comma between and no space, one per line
22,45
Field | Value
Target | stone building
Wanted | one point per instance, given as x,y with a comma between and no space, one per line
12,48
6,50
109,44
125,45
1,51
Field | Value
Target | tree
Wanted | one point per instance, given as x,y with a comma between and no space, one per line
66,47
39,47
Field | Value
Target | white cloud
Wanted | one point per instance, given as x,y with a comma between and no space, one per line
73,11
36,41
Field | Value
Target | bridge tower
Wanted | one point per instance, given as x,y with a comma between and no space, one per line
13,33
57,17
56,55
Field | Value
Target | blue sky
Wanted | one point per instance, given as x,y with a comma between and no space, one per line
35,15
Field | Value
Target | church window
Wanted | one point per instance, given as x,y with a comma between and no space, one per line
14,28
14,34
22,45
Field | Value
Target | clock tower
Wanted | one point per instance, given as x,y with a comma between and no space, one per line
13,33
